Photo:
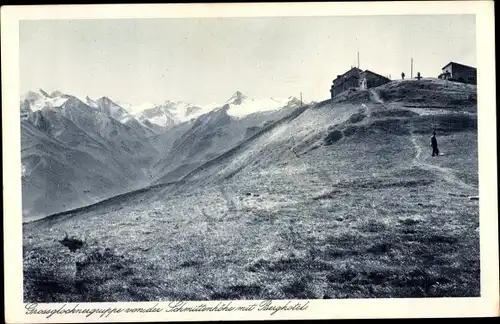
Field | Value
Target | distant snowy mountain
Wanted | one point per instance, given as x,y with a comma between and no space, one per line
174,113
158,116
125,146
95,123
236,99
117,112
164,115
39,99
135,109
56,93
241,105
171,113
191,144
79,151
110,108
91,103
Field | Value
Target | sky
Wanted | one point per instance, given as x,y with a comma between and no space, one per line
205,60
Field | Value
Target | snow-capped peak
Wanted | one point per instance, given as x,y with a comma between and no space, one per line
43,93
91,103
106,100
163,115
241,105
34,95
112,109
39,99
170,113
237,98
136,109
56,93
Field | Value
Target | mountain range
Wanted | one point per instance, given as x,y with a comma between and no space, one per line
76,152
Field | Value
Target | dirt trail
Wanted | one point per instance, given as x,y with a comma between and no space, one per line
445,173
375,97
231,206
368,110
417,148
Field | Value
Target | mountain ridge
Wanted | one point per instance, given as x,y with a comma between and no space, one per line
134,147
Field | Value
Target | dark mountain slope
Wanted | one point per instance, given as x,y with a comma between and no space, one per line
97,157
58,177
209,136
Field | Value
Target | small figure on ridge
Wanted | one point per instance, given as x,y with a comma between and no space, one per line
434,144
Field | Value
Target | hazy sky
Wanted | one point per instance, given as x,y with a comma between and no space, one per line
205,60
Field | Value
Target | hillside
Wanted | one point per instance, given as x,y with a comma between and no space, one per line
334,200
144,145
59,177
191,144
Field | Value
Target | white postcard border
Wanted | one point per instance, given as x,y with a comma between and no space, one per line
486,305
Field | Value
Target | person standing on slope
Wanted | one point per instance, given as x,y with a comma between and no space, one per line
434,144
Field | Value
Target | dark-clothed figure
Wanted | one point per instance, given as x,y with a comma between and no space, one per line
434,144
402,75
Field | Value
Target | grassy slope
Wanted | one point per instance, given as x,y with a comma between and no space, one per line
366,213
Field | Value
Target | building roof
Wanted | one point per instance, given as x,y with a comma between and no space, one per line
368,71
344,80
350,70
455,63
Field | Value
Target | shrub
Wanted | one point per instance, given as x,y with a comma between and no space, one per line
350,130
356,118
333,137
72,243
